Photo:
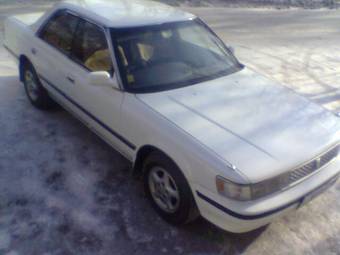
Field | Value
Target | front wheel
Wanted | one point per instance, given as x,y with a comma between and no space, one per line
35,92
167,189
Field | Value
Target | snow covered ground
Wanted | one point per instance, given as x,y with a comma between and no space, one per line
64,191
309,4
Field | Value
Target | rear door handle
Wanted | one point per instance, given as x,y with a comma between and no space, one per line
71,80
34,51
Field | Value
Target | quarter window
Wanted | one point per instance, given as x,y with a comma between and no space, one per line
90,48
59,31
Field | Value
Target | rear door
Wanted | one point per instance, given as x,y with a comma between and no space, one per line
68,50
51,54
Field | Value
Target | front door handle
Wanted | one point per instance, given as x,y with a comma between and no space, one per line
71,80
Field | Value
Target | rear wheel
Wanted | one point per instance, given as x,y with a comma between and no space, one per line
168,190
35,92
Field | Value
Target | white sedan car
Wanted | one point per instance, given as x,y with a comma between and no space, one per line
209,136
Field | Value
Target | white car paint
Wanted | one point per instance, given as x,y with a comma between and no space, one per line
243,127
247,114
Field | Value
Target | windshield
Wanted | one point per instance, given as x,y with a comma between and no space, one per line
162,57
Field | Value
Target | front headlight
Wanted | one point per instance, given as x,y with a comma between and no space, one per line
233,190
246,192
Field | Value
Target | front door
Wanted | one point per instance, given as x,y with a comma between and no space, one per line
99,105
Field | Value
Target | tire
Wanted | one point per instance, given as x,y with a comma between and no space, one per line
180,207
35,92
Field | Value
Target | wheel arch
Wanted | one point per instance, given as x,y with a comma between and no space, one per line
142,154
23,60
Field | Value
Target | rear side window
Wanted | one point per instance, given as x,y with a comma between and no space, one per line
90,48
59,31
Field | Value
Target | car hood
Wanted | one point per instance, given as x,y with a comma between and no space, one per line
262,128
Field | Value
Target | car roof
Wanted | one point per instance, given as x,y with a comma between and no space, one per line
126,13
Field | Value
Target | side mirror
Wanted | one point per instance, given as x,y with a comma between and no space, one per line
102,78
232,50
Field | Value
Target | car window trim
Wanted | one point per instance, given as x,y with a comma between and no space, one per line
102,29
167,87
222,43
43,27
86,19
46,21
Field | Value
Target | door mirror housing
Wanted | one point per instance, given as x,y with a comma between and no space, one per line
102,78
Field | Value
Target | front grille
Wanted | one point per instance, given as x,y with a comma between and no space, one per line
313,165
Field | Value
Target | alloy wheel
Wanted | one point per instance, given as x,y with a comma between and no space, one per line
164,190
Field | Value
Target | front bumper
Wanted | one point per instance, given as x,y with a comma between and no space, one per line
238,217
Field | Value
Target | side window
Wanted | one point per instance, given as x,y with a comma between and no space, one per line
90,48
59,31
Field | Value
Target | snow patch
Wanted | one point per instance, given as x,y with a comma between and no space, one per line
5,240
